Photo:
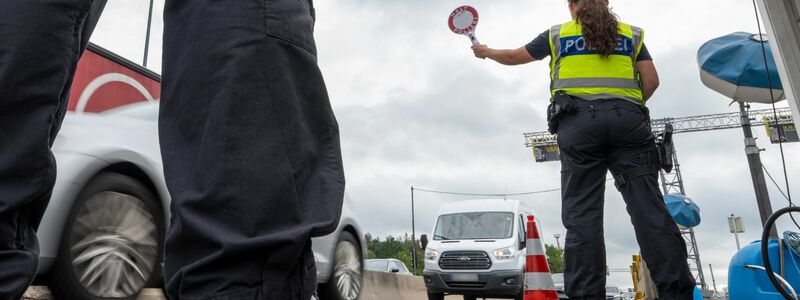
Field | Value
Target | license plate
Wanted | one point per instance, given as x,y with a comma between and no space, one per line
464,277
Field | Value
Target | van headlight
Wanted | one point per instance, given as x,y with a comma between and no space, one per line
504,253
431,255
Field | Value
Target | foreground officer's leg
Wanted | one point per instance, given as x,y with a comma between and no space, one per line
40,43
634,169
660,241
583,182
250,148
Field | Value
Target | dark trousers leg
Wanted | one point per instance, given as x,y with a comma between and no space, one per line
40,43
250,148
632,150
583,171
661,244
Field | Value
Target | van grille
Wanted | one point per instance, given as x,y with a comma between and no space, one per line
465,260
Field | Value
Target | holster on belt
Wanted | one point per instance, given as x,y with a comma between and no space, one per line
665,147
561,104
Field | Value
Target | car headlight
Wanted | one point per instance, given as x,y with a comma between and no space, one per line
431,254
504,253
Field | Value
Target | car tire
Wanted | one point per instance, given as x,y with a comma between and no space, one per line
346,274
112,243
435,296
467,297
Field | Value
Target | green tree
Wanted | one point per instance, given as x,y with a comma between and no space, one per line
555,258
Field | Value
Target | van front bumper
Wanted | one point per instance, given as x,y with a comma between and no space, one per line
503,283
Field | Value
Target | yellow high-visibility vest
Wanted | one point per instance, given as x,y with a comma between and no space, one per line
580,71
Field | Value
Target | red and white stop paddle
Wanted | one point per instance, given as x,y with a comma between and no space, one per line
464,20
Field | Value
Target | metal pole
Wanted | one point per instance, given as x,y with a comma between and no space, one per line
736,234
756,170
147,35
413,233
558,244
713,281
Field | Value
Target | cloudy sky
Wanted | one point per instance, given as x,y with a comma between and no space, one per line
416,108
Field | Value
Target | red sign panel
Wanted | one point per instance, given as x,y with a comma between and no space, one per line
105,80
463,20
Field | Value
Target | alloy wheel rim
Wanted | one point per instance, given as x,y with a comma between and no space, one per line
114,245
347,272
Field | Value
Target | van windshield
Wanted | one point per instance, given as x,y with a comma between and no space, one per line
474,226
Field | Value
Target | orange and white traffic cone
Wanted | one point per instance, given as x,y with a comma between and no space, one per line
538,280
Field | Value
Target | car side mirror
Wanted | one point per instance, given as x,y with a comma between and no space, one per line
423,239
395,270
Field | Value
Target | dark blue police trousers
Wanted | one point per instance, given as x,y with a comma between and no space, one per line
40,44
614,135
250,148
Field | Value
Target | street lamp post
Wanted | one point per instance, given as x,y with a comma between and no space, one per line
736,227
413,234
557,236
147,35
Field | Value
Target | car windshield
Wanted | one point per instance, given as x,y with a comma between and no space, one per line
612,290
474,225
377,265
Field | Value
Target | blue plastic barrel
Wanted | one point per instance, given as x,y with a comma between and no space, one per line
751,284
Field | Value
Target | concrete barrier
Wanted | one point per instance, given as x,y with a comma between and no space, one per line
388,286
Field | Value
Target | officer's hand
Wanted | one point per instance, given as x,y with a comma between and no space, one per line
481,51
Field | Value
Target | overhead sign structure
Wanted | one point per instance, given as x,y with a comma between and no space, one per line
782,130
463,20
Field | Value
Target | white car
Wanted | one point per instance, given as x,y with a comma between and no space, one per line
614,293
387,265
102,235
558,281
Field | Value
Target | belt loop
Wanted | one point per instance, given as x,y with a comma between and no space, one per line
591,109
616,108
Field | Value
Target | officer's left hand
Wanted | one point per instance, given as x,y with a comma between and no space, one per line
481,51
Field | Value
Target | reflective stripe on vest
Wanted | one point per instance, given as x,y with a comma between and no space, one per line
580,71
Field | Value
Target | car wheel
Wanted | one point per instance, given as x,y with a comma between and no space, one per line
467,297
435,296
112,244
345,280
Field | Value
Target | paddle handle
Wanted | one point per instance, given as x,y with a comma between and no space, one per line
473,38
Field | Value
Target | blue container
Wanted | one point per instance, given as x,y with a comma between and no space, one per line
750,284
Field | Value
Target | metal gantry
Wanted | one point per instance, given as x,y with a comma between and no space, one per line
686,124
545,148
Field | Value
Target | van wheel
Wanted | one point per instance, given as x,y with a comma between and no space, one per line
345,280
112,245
435,296
466,297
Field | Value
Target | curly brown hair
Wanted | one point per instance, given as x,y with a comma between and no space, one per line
600,25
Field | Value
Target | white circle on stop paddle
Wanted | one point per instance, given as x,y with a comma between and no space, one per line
463,20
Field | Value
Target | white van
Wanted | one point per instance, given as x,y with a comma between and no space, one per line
477,249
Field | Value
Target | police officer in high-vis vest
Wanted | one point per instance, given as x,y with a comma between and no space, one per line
601,77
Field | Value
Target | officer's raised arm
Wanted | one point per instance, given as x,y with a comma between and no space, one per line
508,57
